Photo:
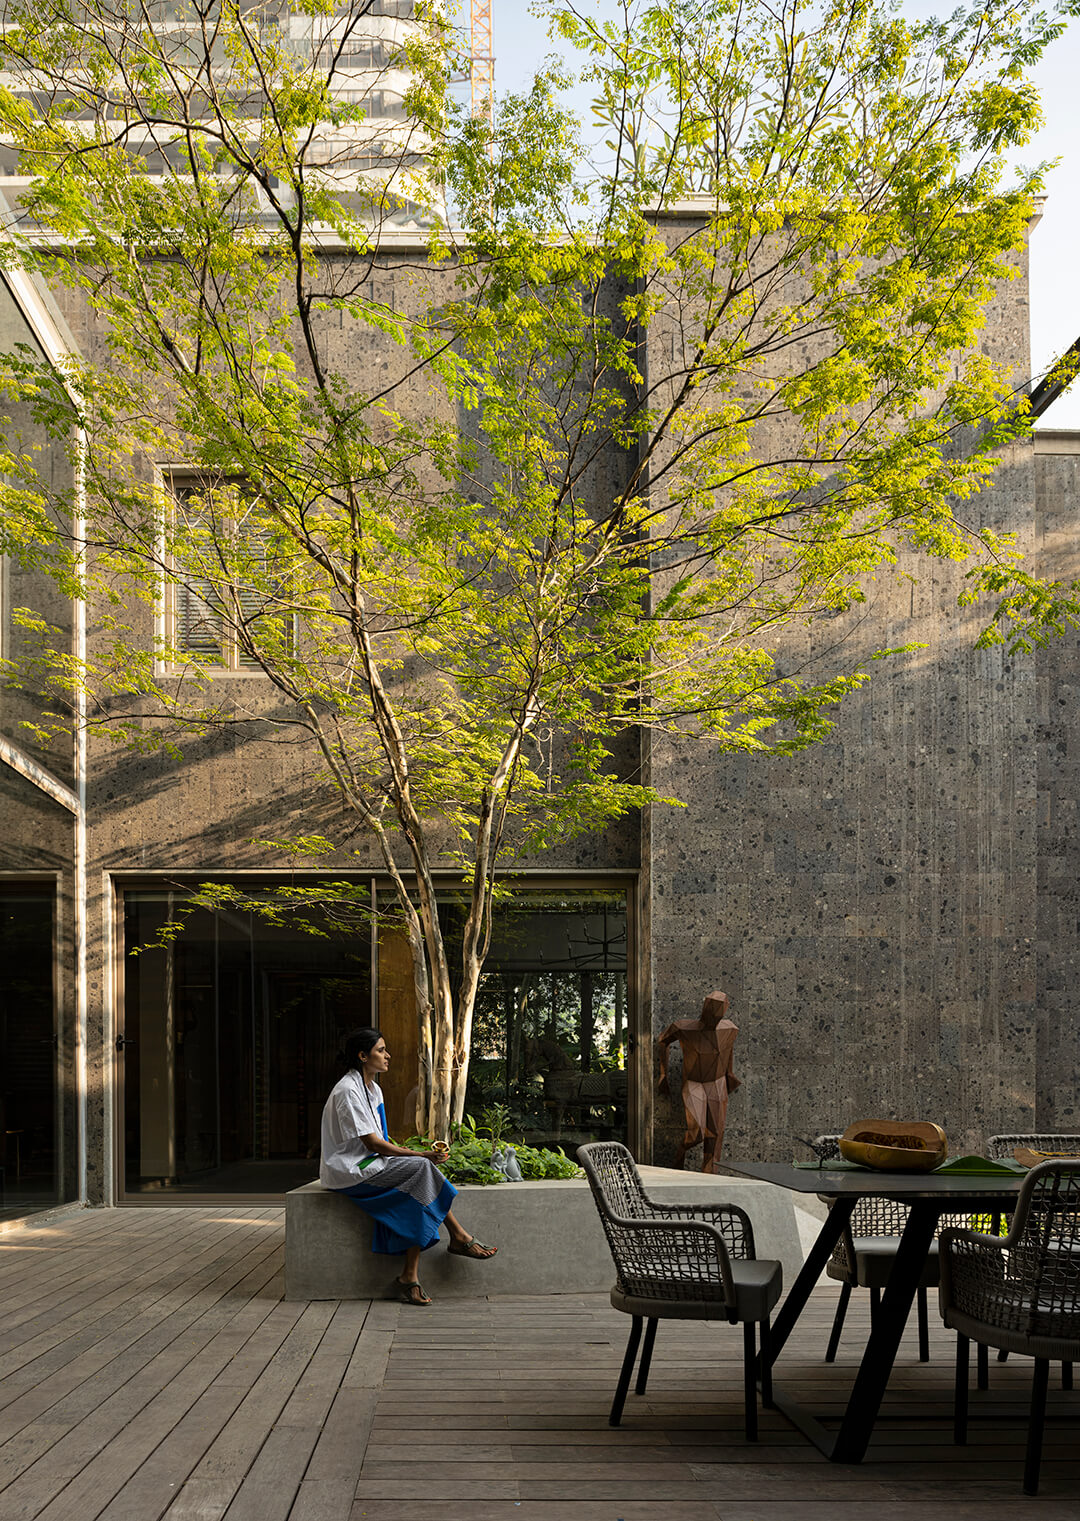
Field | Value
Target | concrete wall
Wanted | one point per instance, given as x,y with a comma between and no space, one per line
207,809
1057,1086
871,905
23,584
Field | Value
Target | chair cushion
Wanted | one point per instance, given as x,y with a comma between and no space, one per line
759,1282
1063,1347
874,1257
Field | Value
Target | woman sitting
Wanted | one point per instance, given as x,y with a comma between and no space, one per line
403,1191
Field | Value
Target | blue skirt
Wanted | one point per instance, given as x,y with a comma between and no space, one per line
408,1203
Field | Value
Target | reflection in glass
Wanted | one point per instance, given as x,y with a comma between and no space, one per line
231,1033
29,1055
550,1036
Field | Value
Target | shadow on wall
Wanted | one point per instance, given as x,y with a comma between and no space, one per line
206,809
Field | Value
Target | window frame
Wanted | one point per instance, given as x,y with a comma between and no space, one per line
171,478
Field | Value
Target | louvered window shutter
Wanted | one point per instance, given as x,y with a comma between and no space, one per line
254,600
206,609
199,624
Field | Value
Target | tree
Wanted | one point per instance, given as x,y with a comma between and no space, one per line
468,580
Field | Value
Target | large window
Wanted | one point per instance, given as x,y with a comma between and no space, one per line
229,1042
551,1034
231,1031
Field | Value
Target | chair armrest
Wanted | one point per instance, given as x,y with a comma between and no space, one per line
670,1259
731,1220
971,1266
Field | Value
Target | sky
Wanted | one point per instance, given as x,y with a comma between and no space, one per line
520,42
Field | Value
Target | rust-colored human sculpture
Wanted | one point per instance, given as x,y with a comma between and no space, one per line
708,1075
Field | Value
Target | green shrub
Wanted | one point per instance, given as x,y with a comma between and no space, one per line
541,1162
469,1158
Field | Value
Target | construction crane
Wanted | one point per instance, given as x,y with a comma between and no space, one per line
482,61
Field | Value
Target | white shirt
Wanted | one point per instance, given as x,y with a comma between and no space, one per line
353,1111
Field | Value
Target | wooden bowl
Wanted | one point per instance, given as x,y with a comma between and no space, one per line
895,1146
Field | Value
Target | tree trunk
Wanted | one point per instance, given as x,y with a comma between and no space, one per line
470,984
442,1074
424,1041
585,1032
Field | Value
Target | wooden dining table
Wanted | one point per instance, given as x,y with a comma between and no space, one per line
927,1196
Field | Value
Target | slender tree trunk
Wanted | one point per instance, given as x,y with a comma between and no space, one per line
442,1009
470,985
422,995
585,1033
442,1084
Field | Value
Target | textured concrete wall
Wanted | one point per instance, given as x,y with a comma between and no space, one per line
871,904
207,810
24,586
232,787
1057,1107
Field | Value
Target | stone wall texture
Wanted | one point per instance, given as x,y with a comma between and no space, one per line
873,905
1057,1078
894,913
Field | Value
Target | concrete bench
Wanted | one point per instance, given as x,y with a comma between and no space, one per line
548,1233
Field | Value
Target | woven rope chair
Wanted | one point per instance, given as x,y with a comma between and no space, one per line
1001,1147
1063,1144
1020,1292
680,1262
864,1255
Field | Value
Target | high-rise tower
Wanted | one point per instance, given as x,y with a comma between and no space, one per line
211,65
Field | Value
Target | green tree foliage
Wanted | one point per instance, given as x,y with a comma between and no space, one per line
619,428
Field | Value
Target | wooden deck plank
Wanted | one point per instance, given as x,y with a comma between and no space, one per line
108,1361
87,1348
271,1483
110,1446
41,1294
203,1500
151,1370
149,1282
162,1389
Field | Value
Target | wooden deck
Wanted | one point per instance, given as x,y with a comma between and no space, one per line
149,1367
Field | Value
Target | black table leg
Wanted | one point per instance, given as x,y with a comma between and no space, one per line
811,1270
792,1307
853,1438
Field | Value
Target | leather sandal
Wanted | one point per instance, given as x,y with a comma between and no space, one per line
472,1248
411,1293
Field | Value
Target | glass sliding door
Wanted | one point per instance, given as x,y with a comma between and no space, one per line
31,1150
231,1031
